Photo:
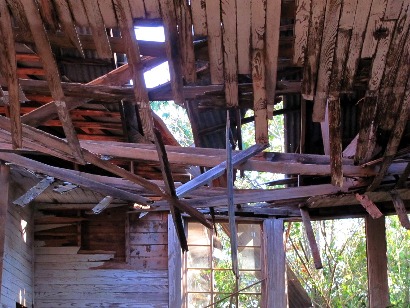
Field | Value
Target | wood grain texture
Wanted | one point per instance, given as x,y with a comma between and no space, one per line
172,48
174,266
400,209
377,262
303,10
243,25
311,63
9,67
96,22
34,191
369,206
327,51
152,9
108,13
78,12
335,140
137,8
213,18
198,11
258,10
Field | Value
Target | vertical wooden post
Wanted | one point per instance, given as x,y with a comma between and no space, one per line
4,202
377,262
275,286
174,266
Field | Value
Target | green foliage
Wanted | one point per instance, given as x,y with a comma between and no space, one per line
176,119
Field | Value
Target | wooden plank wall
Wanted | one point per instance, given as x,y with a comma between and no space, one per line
17,275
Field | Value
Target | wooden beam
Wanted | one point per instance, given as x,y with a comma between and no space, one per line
34,191
314,248
377,262
99,33
275,286
72,177
335,141
9,63
260,105
218,170
400,209
174,266
369,206
102,205
4,205
134,59
213,19
53,77
301,31
170,190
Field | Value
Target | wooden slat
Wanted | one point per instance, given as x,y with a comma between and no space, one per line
141,96
273,13
327,52
258,10
301,31
218,170
374,22
9,63
376,247
78,13
213,18
311,64
44,50
199,17
46,10
67,24
314,248
99,34
359,28
72,177
184,19
393,8
4,204
229,40
172,44
243,25
34,192
152,9
102,205
400,209
137,8
335,141
275,264
108,13
369,206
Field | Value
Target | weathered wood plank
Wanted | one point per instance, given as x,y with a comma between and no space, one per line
172,44
216,58
218,170
152,9
9,64
311,63
174,265
374,22
108,13
96,22
199,17
327,52
137,8
377,262
275,286
34,192
301,31
258,11
273,13
229,40
243,25
369,206
67,24
356,42
78,13
400,209
102,205
134,60
393,9
335,141
4,204
314,248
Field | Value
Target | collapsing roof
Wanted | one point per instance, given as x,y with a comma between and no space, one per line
59,60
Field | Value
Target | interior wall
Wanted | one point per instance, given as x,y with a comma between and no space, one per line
17,274
96,276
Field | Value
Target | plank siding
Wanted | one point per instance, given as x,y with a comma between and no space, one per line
17,272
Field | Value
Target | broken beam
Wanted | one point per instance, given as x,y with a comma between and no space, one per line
34,191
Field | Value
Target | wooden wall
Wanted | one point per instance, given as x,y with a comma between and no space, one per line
122,262
17,274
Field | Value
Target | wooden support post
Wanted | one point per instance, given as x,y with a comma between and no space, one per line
311,238
4,203
275,285
377,262
174,266
335,141
34,191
